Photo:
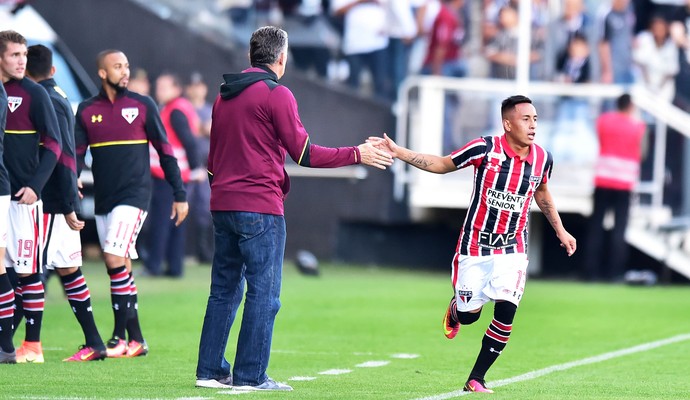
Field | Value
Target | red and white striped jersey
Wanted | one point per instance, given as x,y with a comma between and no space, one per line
504,186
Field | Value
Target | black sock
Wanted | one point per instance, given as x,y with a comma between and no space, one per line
6,314
119,297
495,339
80,300
33,300
133,327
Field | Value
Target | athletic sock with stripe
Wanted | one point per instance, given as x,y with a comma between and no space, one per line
120,298
133,327
33,300
495,339
6,314
79,299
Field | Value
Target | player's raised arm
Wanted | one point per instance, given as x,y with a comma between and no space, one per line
426,162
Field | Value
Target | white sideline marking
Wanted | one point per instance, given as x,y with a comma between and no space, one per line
302,378
335,372
317,353
372,364
234,391
404,356
562,367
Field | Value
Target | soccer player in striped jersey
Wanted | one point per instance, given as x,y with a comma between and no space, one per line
61,238
490,261
117,125
32,148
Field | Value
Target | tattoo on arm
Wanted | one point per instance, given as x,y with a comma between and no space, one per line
549,211
419,161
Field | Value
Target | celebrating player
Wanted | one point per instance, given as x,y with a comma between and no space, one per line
490,262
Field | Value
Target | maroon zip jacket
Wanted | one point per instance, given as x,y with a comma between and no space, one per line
255,125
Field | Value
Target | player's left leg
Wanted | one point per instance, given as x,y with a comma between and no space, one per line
24,255
7,353
493,343
137,345
79,299
506,287
117,232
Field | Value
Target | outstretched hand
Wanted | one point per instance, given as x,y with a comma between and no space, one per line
374,157
385,143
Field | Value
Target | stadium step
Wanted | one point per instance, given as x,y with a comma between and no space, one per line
664,239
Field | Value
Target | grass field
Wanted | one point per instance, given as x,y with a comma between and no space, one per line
383,326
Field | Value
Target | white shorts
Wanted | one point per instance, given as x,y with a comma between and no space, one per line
24,235
118,230
4,216
61,244
478,280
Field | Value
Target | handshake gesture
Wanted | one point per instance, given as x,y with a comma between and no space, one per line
378,152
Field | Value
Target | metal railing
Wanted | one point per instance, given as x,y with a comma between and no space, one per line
420,120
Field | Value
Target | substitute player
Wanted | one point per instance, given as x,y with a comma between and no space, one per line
32,148
118,125
62,242
7,353
490,262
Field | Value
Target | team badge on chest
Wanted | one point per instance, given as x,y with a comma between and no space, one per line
130,114
13,102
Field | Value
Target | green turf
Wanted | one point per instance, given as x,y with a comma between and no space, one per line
350,315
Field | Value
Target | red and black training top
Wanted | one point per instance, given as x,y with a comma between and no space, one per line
118,134
32,136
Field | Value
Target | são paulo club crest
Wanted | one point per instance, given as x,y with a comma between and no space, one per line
130,114
13,102
464,294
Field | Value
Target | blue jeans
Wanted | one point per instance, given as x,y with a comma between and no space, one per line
248,247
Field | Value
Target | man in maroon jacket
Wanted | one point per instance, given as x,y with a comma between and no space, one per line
255,125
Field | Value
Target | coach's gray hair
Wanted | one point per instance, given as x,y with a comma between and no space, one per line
266,45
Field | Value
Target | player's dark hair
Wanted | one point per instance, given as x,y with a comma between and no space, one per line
509,104
266,45
10,36
39,61
623,102
103,54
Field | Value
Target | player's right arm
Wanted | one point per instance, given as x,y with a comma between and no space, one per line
426,162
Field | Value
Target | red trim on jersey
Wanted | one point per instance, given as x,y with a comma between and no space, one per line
46,222
37,250
135,229
454,269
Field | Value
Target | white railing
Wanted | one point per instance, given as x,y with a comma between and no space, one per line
419,113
